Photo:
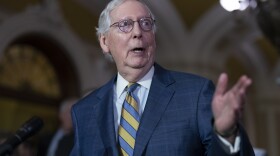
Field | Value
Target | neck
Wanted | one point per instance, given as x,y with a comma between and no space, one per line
134,75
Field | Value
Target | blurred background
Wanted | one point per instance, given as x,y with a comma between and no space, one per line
49,52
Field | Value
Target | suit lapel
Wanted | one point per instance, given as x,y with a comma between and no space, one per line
158,99
105,120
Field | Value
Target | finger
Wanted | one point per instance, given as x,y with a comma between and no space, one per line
238,84
242,90
241,93
241,85
221,84
248,82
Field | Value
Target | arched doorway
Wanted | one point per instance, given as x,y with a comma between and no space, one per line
35,76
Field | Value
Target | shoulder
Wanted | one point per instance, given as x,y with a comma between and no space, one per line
96,95
180,77
183,81
191,82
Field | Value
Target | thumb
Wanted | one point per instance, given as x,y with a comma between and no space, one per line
221,85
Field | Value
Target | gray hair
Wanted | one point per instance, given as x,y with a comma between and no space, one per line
105,20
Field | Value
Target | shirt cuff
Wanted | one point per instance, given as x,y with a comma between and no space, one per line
233,149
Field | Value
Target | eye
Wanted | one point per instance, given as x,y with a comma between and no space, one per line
124,23
146,22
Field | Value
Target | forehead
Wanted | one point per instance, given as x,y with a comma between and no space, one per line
130,9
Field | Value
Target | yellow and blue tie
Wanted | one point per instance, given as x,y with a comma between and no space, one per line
129,122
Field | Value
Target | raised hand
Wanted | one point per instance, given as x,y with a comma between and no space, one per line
227,105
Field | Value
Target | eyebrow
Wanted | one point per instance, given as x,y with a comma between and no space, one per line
128,18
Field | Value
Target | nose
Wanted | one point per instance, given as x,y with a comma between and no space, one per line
137,31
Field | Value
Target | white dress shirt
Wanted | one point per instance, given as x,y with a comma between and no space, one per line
54,142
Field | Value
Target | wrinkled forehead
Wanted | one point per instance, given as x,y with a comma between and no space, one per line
131,9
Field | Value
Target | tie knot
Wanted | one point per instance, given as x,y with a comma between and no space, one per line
131,87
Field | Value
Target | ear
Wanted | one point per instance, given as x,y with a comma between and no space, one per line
103,41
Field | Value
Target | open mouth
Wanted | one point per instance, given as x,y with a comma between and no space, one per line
137,50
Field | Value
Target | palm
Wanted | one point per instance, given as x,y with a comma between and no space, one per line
228,105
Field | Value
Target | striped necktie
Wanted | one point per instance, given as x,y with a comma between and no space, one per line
129,122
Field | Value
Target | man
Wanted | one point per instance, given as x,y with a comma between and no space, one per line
61,142
173,110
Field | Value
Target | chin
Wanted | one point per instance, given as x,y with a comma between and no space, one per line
143,66
139,66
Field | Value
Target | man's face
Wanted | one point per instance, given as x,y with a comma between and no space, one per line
132,50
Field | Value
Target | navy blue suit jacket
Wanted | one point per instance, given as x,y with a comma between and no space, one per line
176,120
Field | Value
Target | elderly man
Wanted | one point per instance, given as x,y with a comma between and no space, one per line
148,110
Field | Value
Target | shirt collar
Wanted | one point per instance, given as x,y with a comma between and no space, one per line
144,82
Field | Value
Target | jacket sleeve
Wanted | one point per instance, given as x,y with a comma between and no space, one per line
212,144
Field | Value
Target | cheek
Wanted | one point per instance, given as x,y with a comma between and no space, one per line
150,40
152,46
118,46
117,43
